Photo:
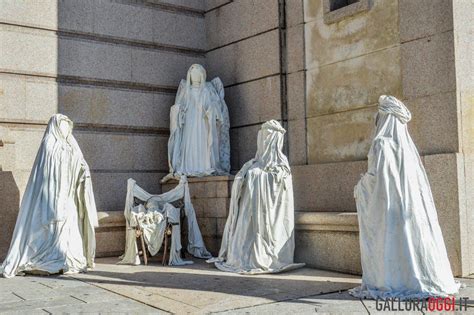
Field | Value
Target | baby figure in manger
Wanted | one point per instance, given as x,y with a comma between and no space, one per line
199,128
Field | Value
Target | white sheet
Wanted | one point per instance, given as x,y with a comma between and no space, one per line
259,232
151,218
402,248
55,226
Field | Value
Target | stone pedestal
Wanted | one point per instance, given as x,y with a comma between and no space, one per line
210,197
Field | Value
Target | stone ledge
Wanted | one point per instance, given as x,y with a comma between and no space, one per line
110,219
203,179
326,221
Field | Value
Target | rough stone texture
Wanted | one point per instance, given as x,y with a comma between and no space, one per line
240,19
189,289
246,60
353,83
254,102
110,187
435,110
445,183
212,4
326,187
296,135
211,198
110,235
296,102
295,48
243,145
339,137
193,4
9,205
437,18
94,105
428,65
27,98
294,12
367,32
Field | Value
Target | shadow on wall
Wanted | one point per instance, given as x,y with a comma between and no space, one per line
9,205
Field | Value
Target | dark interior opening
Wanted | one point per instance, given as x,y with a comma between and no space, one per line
337,4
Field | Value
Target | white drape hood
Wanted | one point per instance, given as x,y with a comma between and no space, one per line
55,225
259,232
402,248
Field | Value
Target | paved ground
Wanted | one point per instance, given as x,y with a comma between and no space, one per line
197,289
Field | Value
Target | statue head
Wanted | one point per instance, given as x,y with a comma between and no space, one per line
196,75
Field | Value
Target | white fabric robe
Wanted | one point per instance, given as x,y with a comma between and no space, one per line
55,226
402,248
199,129
151,218
259,232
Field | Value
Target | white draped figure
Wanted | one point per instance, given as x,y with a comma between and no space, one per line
402,248
199,128
54,230
259,232
152,215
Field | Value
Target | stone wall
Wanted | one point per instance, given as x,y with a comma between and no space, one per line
113,67
409,49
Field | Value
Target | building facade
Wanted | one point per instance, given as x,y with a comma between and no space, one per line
318,66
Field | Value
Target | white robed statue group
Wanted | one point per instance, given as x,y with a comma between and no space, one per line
402,248
54,231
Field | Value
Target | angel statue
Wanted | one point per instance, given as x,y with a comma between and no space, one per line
199,128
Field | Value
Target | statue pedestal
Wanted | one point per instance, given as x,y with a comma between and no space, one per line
210,197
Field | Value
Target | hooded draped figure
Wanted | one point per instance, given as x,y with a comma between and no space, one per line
402,248
199,128
259,232
54,230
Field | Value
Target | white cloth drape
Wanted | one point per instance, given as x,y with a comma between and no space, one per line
199,129
259,232
55,226
402,248
151,219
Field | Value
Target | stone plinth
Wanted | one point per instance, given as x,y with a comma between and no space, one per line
110,235
210,197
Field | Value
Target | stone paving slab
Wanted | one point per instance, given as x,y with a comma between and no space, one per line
201,288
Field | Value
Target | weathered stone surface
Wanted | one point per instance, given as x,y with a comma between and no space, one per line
208,226
240,19
436,17
205,187
9,205
212,4
89,105
296,103
343,136
246,60
296,136
372,31
295,48
110,235
211,207
110,188
314,191
123,152
193,4
27,98
254,102
428,65
354,83
33,13
21,42
434,124
243,145
294,12
316,249
444,177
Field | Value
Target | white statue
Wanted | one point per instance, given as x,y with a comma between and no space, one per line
199,128
259,232
402,248
151,218
54,231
